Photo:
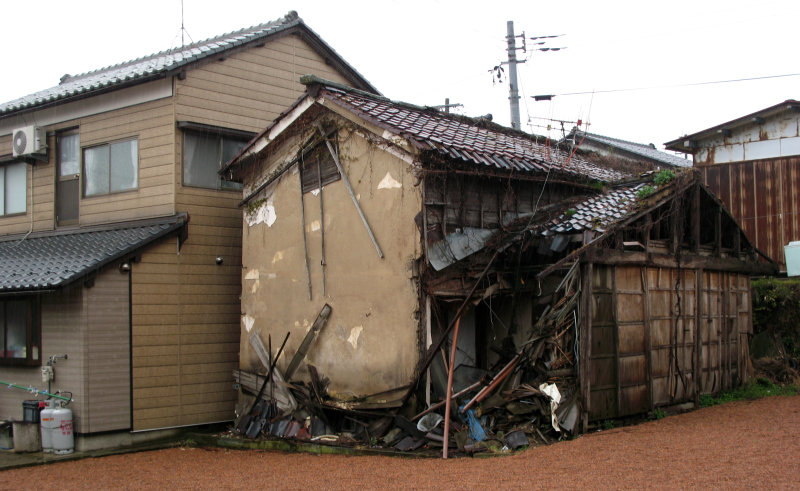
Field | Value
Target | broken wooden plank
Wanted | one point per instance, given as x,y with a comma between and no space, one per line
284,398
322,318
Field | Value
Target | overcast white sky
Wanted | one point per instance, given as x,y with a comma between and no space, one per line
425,51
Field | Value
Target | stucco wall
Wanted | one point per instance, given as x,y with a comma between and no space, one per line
370,341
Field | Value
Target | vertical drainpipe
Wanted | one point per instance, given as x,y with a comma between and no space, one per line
130,343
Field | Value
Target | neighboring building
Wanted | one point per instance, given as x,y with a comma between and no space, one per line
119,243
753,164
422,218
622,150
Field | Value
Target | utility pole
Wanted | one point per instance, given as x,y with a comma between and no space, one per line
513,91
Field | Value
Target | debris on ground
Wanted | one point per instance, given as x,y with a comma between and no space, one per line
529,397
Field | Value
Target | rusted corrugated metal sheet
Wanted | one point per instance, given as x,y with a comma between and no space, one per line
764,197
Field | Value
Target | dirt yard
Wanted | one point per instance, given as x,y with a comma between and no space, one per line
737,445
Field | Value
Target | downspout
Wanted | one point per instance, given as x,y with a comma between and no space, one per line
130,344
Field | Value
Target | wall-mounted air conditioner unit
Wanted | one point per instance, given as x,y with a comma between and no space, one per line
28,140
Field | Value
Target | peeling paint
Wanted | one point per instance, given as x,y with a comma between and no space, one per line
315,225
277,257
389,182
272,276
264,214
315,192
254,286
354,335
248,322
251,275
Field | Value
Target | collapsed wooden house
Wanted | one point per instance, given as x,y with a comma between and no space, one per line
627,292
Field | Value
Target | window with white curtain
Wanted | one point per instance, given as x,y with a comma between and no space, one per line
13,189
204,154
111,168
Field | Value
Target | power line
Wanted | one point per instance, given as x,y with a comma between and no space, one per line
632,89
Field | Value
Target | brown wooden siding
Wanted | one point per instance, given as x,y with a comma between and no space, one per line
41,201
764,197
108,353
63,319
186,330
153,125
90,325
654,342
248,90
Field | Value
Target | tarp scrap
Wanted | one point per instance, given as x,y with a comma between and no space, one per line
552,392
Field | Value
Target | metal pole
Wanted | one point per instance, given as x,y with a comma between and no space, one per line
34,391
449,392
321,223
513,91
303,225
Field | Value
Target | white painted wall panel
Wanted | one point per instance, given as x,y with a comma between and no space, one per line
790,146
729,153
762,149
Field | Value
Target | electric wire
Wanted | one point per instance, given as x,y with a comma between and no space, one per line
694,84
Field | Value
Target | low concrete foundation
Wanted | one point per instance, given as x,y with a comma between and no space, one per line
26,437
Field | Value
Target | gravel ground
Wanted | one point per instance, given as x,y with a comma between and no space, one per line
753,444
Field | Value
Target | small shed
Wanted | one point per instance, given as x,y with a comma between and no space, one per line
627,291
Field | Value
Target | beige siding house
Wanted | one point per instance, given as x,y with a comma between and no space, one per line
120,245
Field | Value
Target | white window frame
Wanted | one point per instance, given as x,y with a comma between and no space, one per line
6,187
87,175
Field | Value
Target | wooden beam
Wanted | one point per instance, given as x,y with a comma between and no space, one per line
615,257
585,337
698,345
718,231
696,220
648,345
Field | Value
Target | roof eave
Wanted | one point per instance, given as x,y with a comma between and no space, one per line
180,225
681,145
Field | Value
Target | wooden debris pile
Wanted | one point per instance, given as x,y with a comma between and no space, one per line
528,398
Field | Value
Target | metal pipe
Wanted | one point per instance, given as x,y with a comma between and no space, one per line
494,383
453,397
449,392
321,224
305,241
35,391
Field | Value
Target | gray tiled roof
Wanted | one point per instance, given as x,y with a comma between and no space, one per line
646,151
50,260
596,213
466,139
153,66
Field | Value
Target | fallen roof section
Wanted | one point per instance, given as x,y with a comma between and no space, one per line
164,63
50,260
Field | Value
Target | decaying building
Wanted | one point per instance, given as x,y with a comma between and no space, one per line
627,292
753,164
